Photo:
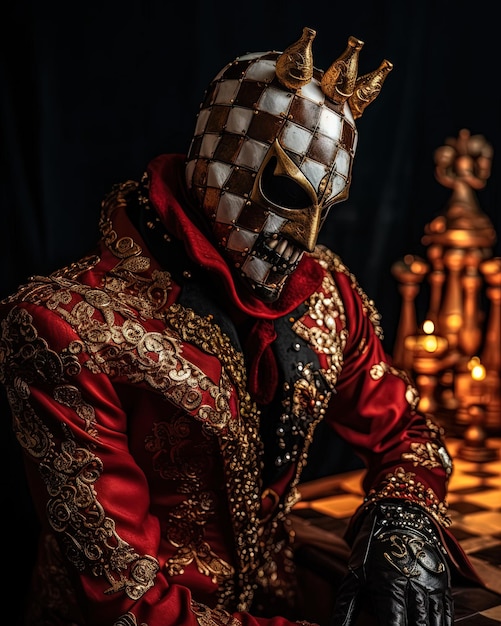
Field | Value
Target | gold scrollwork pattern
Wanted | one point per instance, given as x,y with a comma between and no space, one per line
424,454
241,449
432,453
186,522
70,471
128,619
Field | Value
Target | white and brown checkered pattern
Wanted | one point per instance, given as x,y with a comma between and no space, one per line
245,109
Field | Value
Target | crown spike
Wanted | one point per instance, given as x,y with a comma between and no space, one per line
338,82
294,66
367,88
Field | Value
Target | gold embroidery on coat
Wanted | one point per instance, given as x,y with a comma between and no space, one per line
128,619
69,472
333,263
186,522
325,307
240,445
213,617
424,454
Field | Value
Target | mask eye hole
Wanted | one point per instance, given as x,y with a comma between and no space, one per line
282,191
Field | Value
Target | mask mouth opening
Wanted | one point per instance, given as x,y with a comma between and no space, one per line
279,252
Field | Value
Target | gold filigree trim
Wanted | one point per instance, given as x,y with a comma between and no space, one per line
242,451
432,453
333,263
186,522
424,454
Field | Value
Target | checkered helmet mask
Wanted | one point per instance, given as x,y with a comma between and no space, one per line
272,151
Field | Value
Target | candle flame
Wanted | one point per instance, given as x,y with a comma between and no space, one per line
428,327
477,370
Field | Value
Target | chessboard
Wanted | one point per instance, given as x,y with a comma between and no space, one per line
327,504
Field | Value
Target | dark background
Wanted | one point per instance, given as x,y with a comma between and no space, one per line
90,92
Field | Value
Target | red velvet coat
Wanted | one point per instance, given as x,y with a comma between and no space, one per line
165,418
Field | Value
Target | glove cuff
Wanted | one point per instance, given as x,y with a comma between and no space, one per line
401,515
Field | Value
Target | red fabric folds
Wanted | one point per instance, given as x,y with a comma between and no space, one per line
263,373
166,185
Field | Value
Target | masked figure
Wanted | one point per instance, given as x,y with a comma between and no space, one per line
166,388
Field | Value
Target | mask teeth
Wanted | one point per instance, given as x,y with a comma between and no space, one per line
284,255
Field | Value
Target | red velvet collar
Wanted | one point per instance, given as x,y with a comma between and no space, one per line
167,187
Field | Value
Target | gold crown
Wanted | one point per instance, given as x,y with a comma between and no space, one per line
340,83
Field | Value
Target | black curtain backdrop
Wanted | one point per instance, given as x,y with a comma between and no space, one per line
90,92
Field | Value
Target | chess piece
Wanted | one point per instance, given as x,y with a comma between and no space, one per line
459,246
491,354
436,280
475,447
409,272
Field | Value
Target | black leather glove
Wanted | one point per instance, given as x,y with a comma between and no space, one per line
397,571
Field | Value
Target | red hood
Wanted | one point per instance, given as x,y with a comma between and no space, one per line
167,188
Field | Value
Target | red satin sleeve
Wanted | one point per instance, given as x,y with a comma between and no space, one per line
374,410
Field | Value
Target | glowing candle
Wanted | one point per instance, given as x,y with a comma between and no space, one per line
477,370
427,344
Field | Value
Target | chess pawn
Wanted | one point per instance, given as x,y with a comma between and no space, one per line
475,447
450,318
409,273
491,355
427,386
